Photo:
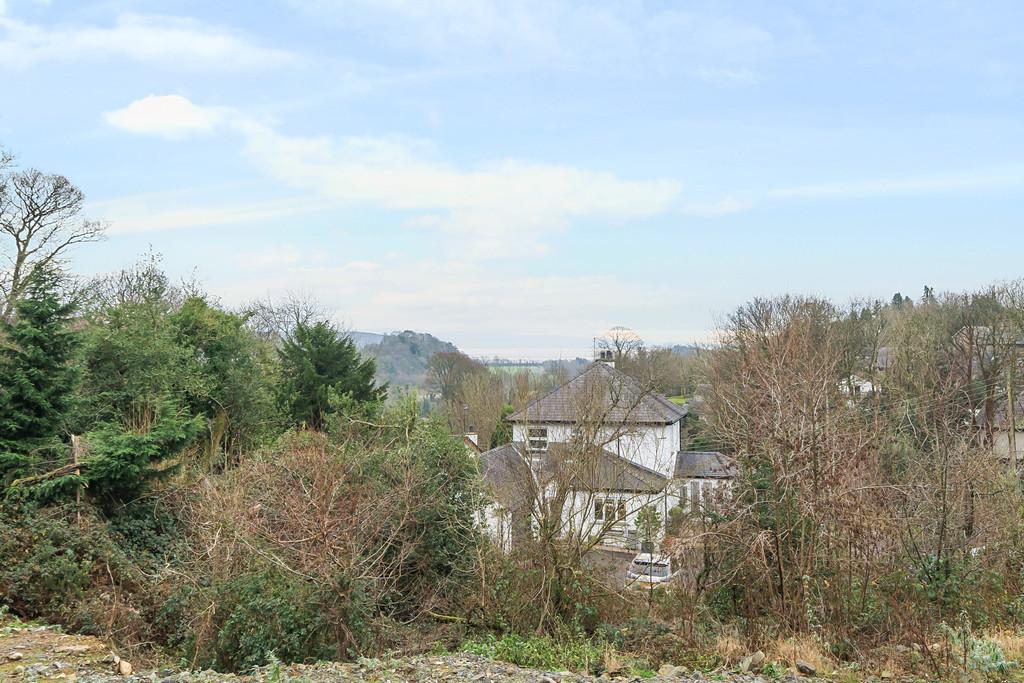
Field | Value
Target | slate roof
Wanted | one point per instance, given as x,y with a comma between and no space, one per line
506,472
602,470
601,391
704,465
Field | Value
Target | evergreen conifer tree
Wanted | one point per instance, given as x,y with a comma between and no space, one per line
318,364
36,376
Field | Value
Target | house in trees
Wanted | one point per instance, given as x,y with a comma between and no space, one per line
587,457
1006,429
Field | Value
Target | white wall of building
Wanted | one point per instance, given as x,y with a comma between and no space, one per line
496,522
653,446
580,516
1001,444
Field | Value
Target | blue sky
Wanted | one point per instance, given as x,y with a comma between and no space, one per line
519,176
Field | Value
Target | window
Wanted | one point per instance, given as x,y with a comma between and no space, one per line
537,443
699,496
609,509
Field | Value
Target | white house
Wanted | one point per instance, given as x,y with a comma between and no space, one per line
598,449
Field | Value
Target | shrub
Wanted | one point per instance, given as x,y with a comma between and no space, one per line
295,551
58,569
267,612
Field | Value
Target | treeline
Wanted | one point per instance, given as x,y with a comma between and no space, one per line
142,370
880,497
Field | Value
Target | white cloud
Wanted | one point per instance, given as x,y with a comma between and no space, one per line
167,115
452,298
495,209
1005,176
716,207
153,39
993,178
153,212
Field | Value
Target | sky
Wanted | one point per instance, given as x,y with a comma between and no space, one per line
519,176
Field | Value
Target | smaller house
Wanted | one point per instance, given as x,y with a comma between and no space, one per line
701,475
1007,430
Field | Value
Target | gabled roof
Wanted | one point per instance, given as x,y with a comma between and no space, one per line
704,465
601,470
507,472
601,392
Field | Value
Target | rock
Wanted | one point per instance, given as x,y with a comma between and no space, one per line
72,649
16,656
124,668
805,668
670,671
752,663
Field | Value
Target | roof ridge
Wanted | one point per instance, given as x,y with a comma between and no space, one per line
648,391
647,405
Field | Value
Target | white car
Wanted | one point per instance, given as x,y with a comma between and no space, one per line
648,571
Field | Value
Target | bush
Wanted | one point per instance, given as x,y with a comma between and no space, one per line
57,569
266,613
311,548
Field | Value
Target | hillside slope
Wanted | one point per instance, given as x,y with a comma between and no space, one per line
403,357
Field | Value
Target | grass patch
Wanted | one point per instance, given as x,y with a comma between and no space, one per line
550,654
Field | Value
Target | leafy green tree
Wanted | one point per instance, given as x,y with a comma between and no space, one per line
121,463
502,433
228,385
318,365
131,360
146,341
36,378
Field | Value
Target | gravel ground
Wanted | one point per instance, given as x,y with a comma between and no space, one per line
34,654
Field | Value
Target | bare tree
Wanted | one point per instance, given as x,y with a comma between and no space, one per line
481,393
143,282
449,369
622,342
40,219
274,320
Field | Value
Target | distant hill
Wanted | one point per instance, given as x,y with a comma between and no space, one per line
366,338
685,350
402,357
